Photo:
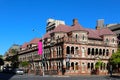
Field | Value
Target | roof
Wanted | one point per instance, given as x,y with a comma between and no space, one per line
93,34
76,27
62,28
24,45
35,40
105,31
47,34
96,34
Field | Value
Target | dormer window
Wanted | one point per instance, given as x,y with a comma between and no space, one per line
113,40
83,37
107,40
76,37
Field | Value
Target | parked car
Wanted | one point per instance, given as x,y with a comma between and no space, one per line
7,69
18,71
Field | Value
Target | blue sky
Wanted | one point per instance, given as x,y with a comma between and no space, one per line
19,17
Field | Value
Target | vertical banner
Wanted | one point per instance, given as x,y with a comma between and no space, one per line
40,48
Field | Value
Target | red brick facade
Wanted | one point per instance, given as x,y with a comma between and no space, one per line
74,50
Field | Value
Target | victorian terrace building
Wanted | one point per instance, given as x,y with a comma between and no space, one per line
70,50
74,50
29,52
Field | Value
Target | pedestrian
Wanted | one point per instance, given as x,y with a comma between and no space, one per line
110,70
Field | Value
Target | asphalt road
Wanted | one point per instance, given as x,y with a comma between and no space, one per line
4,76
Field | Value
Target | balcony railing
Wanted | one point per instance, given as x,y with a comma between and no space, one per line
89,42
28,49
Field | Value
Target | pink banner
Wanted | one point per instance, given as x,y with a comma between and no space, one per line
40,48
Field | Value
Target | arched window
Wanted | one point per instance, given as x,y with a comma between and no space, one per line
76,50
96,51
100,51
72,65
92,51
103,52
113,40
76,36
72,50
83,37
68,50
92,66
104,66
67,65
88,51
112,51
59,51
107,52
88,65
76,66
107,42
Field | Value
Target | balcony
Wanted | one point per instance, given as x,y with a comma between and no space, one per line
79,41
98,56
70,40
28,49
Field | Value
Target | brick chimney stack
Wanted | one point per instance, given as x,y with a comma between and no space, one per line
100,24
75,21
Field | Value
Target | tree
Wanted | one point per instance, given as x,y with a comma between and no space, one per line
98,64
115,60
14,51
12,56
1,56
24,63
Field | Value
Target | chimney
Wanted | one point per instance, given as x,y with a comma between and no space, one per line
100,24
97,28
75,21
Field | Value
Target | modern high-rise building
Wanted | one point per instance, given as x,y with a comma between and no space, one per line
51,24
116,29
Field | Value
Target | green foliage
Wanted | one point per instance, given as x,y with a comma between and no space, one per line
14,51
115,58
97,65
1,56
13,58
24,63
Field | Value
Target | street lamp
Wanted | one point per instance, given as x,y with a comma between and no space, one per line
41,52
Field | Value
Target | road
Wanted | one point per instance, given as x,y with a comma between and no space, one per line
5,76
